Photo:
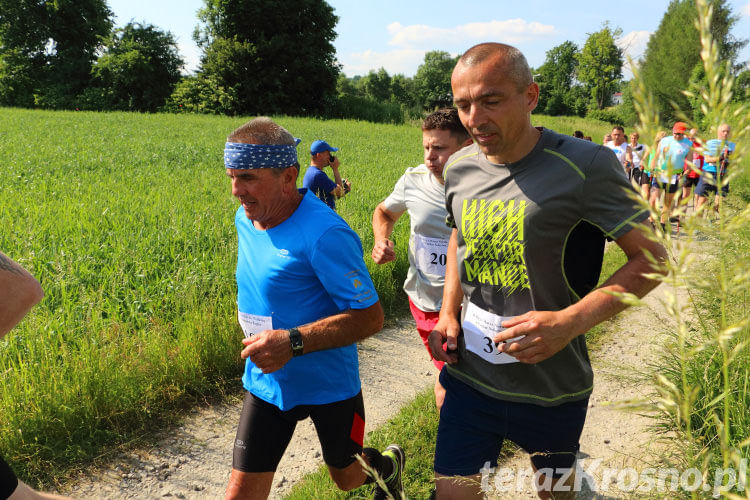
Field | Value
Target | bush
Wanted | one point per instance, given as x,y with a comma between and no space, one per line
202,94
606,115
364,108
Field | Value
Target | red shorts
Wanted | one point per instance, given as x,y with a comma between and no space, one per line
426,322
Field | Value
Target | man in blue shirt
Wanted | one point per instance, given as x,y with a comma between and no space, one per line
304,298
318,182
715,165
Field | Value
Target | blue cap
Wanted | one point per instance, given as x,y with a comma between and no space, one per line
320,146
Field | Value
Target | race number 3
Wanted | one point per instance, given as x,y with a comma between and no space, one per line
479,327
431,254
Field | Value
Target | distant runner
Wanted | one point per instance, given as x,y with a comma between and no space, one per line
717,153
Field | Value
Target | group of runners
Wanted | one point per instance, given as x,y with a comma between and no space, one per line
677,161
507,230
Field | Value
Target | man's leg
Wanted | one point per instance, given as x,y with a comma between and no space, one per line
551,436
341,427
562,487
426,321
249,485
469,439
263,434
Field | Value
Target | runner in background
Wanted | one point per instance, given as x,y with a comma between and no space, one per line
421,193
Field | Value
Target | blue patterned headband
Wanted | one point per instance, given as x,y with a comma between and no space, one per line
239,155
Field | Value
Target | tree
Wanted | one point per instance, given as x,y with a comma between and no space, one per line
275,57
378,85
673,52
432,82
600,64
47,48
555,78
139,68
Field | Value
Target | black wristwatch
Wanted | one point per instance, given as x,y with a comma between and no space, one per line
295,338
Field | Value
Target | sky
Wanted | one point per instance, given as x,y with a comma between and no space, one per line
395,34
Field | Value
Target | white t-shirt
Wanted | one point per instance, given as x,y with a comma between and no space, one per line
420,194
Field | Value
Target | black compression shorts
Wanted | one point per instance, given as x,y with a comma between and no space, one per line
8,480
265,431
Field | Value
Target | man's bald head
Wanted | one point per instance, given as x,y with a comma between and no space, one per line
512,61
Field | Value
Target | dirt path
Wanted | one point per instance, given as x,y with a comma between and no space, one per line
194,460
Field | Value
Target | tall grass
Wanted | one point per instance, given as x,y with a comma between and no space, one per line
127,221
703,379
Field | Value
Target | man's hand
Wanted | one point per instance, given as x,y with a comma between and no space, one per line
347,185
446,331
544,334
269,350
383,252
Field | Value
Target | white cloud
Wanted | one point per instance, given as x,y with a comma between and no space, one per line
745,10
633,45
427,37
403,61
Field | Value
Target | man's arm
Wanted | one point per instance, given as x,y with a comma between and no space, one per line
271,349
340,190
547,332
383,221
19,292
447,327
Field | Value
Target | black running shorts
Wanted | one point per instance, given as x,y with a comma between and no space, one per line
265,431
8,480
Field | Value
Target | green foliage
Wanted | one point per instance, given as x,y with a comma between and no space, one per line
606,115
378,85
276,57
137,71
365,108
202,94
47,49
673,53
555,78
600,64
432,82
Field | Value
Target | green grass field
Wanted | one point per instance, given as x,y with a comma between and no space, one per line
127,221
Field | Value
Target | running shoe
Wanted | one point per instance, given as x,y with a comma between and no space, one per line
395,486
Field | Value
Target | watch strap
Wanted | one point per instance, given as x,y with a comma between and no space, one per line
295,338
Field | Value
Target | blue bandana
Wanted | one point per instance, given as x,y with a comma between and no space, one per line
239,155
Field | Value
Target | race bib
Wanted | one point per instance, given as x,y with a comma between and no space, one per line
252,323
479,327
431,254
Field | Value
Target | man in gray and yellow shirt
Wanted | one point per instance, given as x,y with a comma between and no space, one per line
526,203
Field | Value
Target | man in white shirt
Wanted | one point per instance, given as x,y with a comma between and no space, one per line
421,193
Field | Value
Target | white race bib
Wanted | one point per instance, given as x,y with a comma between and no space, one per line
252,323
431,254
479,327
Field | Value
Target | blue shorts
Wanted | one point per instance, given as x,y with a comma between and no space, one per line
473,426
707,184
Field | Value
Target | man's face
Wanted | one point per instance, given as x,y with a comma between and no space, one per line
724,132
438,145
678,135
323,158
491,107
634,138
618,137
259,192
